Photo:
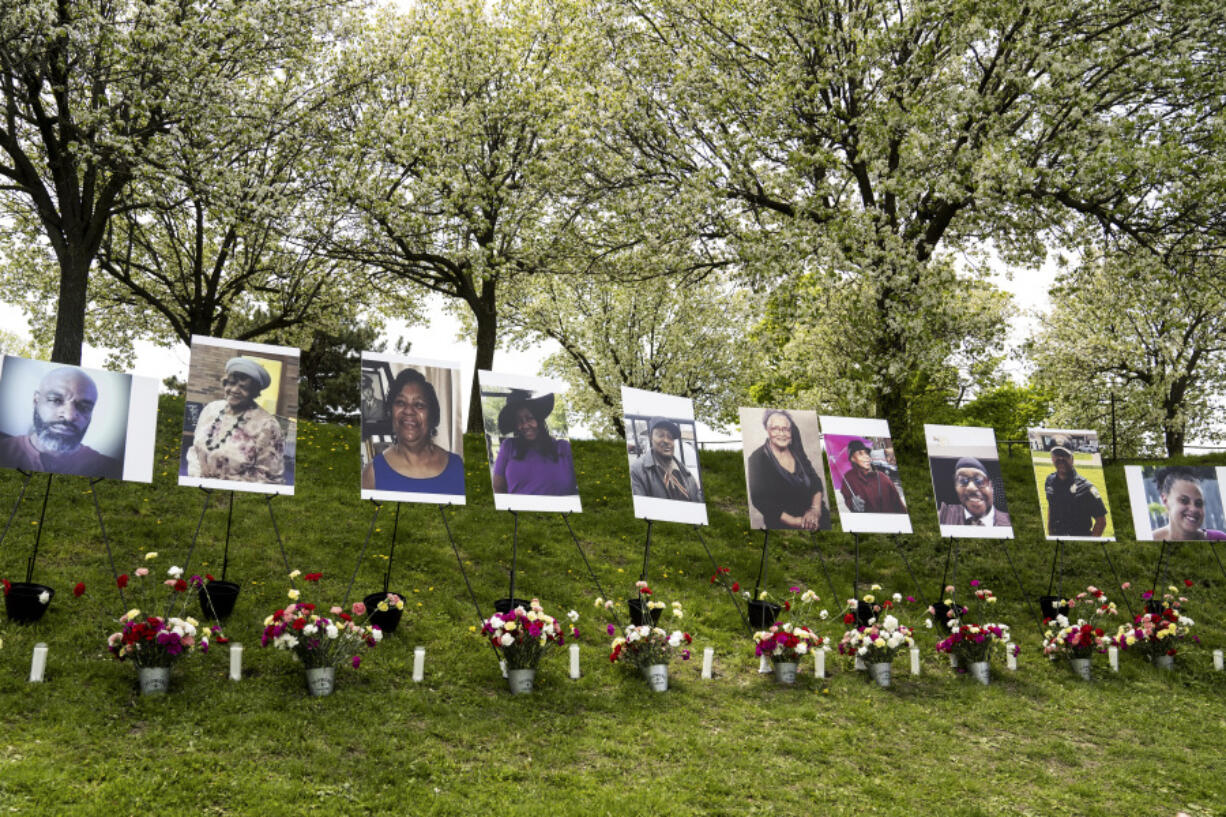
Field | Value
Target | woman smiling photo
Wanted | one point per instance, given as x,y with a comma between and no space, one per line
414,462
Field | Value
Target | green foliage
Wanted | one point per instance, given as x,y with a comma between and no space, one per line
1009,409
1135,344
329,383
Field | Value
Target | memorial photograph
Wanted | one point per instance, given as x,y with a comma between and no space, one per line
1068,472
966,482
662,451
784,477
864,475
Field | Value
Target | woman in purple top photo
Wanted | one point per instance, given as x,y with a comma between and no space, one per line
1184,498
530,460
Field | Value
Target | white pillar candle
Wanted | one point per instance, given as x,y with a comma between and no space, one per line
708,661
1113,658
38,663
953,661
1010,660
574,661
764,664
502,665
915,655
819,663
860,663
236,662
419,664
1217,660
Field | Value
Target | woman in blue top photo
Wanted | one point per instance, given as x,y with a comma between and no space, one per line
415,463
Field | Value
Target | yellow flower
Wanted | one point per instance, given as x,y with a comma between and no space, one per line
382,607
869,599
293,595
875,587
153,554
293,574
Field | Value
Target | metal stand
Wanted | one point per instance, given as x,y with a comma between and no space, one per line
766,536
834,594
110,557
1037,614
588,564
514,554
646,553
25,483
391,554
442,512
284,559
374,517
723,582
1120,584
1161,564
38,534
855,582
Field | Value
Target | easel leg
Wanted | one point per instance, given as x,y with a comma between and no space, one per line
471,594
38,535
834,594
374,517
25,483
281,544
110,557
1120,585
588,564
715,566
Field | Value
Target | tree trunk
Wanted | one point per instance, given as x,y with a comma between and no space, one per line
1174,440
70,309
486,314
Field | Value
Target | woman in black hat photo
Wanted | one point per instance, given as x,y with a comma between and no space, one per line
530,460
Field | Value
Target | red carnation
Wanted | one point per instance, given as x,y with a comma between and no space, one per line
299,623
7,586
180,586
313,577
209,576
1187,582
787,605
79,590
736,587
122,581
849,618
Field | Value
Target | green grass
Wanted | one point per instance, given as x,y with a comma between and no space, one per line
1035,742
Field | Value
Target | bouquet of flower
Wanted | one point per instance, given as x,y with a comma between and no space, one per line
319,640
1084,638
1157,632
647,645
971,642
151,640
525,636
786,642
877,643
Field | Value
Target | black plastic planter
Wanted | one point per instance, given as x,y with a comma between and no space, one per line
1051,607
387,620
763,613
636,613
22,604
941,612
507,605
217,599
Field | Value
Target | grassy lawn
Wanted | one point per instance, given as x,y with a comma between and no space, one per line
1034,742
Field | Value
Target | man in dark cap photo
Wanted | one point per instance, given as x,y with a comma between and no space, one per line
976,498
1074,505
864,488
657,472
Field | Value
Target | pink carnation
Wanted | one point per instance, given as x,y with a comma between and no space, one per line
359,609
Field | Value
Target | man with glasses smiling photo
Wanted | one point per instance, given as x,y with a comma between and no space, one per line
976,498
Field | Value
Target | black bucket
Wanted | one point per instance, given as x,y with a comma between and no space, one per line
763,613
1051,607
217,599
865,613
941,612
386,620
22,604
636,613
1152,606
507,605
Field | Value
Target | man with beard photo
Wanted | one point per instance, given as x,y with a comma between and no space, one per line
976,498
64,405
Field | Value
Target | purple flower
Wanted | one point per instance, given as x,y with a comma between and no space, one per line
611,629
357,661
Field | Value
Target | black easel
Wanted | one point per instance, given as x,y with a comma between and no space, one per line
724,582
25,483
442,512
834,594
1159,570
1120,585
38,534
1037,615
374,517
110,557
902,554
391,554
766,536
939,607
646,553
588,564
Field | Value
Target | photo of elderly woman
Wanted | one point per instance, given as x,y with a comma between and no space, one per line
412,451
1176,503
531,467
240,423
864,475
786,490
